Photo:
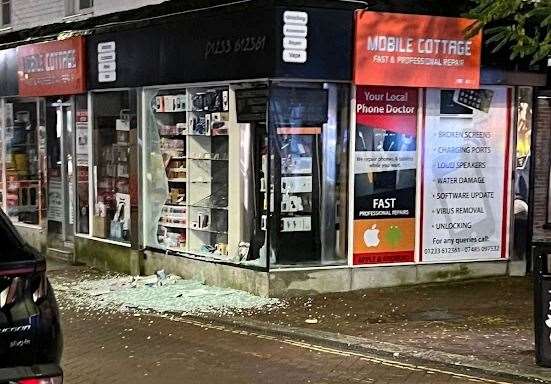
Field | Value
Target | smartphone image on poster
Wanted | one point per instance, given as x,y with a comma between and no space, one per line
479,99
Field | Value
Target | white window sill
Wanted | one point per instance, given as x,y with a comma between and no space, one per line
7,28
101,240
80,15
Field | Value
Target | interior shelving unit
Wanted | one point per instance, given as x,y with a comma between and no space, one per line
193,131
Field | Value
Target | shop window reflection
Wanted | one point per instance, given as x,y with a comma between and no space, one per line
114,125
308,146
21,137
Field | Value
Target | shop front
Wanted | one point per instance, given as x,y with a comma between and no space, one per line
261,156
435,173
43,85
220,153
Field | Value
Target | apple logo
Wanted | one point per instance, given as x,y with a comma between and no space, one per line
371,236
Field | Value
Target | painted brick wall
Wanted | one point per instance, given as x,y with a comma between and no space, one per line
32,13
542,152
102,7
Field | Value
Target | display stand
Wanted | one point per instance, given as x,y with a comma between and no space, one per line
193,132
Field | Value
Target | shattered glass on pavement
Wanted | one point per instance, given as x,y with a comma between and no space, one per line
159,293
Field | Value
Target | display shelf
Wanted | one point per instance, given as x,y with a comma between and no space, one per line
183,204
194,151
172,225
173,135
223,208
206,159
208,230
214,201
175,249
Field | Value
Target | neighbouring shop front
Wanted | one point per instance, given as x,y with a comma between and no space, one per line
436,178
43,89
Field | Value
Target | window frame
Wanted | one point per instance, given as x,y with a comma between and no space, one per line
9,2
72,7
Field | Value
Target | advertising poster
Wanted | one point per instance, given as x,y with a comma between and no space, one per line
415,51
385,175
55,200
464,182
82,138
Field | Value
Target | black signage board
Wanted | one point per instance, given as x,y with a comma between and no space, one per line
8,72
221,46
195,48
252,104
329,47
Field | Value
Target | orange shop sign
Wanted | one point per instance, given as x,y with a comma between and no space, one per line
52,68
416,51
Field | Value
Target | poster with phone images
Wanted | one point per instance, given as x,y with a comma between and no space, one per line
385,175
465,187
82,138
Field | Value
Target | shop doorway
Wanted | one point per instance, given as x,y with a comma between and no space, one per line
60,146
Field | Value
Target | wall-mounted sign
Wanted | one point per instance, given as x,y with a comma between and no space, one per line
107,62
385,162
465,177
295,31
52,68
415,51
230,48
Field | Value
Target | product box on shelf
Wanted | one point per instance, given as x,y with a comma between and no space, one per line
122,125
170,103
101,226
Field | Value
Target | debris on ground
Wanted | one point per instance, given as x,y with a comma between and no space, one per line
161,292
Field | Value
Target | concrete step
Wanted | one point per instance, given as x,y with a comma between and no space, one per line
60,254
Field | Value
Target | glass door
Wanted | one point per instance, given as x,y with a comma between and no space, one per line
60,139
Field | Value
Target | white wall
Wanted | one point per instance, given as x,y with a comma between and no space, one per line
33,13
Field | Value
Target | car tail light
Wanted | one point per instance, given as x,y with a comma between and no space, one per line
40,288
42,380
9,295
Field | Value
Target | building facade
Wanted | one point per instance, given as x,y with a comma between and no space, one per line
310,151
24,14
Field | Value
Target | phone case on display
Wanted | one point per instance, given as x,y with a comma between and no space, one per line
198,102
122,125
116,230
225,101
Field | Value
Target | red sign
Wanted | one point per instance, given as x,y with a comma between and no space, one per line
388,108
415,51
52,68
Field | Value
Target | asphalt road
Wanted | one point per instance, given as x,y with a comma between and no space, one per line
113,347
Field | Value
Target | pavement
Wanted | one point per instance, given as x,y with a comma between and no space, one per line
484,324
382,336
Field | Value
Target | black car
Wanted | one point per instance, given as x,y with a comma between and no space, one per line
30,331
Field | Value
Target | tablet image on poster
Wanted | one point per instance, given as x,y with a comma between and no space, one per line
465,189
385,175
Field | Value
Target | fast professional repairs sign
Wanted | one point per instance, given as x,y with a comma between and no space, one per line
415,51
385,162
